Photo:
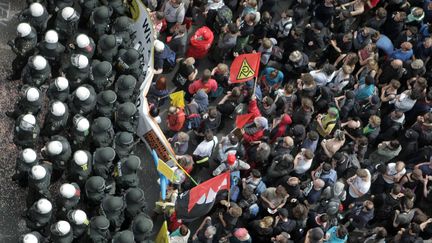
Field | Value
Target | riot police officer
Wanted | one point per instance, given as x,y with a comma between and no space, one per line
126,117
113,209
142,227
23,46
126,173
51,50
83,100
99,230
135,204
103,161
26,131
32,237
37,16
87,7
125,88
128,62
118,7
105,103
68,199
61,232
56,5
29,103
83,45
39,182
36,72
107,48
24,162
95,190
124,144
78,221
66,23
122,29
80,131
80,167
102,132
76,70
56,119
99,21
38,216
59,89
101,75
58,152
125,236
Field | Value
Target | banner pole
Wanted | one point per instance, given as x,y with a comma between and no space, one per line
255,85
184,171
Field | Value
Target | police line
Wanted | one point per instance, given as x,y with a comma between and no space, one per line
148,129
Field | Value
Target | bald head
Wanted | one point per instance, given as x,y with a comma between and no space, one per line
397,63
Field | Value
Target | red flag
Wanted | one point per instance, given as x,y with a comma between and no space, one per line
241,120
205,193
245,67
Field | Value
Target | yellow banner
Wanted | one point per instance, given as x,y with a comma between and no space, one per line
163,236
165,170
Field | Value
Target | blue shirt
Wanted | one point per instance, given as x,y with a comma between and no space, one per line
273,81
333,236
402,55
365,92
385,44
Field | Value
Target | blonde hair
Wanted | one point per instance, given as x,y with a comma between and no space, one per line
266,43
266,222
223,68
189,61
375,120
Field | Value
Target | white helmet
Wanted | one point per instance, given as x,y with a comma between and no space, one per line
30,119
24,29
79,216
39,62
83,124
67,190
68,13
30,238
80,157
82,40
29,155
36,9
63,227
44,206
82,93
38,172
32,94
61,83
79,61
159,45
54,147
51,36
58,108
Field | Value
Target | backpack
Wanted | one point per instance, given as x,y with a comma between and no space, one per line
193,120
171,57
224,16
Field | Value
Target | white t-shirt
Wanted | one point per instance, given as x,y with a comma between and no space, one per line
205,148
391,171
303,166
362,186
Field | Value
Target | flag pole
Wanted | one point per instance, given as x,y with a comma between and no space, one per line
184,171
255,85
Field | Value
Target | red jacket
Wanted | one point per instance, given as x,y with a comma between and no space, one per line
200,43
176,121
253,137
210,86
253,109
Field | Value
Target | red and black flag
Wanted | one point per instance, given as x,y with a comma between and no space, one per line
245,67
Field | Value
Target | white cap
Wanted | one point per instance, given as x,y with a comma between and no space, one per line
82,93
32,94
79,216
39,62
36,9
80,157
159,45
63,227
79,61
38,172
44,206
67,13
67,190
51,36
30,238
83,124
30,119
54,147
82,40
24,29
61,83
58,108
29,155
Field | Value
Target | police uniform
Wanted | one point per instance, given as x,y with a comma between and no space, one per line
38,216
125,88
125,236
24,162
126,117
58,152
98,231
113,209
107,48
33,236
79,222
103,161
76,70
59,89
105,103
101,75
122,29
142,227
95,190
56,119
23,46
37,16
56,5
26,131
128,62
99,21
29,103
83,104
124,144
83,45
36,72
66,23
135,204
80,132
125,173
68,199
80,167
102,132
118,7
87,7
61,232
52,50
39,183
